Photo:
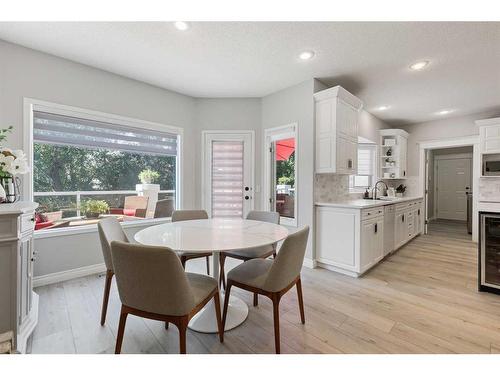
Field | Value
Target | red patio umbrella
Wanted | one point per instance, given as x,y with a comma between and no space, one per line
285,148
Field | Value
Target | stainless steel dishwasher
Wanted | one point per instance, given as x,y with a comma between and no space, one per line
389,218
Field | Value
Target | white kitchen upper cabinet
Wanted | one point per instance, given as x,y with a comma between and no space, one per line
489,135
336,123
347,156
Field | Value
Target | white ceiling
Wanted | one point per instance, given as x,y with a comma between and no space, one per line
254,59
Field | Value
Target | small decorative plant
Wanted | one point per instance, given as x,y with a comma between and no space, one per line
92,208
148,176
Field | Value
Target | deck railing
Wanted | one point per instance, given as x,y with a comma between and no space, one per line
79,193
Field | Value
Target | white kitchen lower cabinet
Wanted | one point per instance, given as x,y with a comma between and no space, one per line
351,240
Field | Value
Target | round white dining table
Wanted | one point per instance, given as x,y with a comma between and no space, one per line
214,235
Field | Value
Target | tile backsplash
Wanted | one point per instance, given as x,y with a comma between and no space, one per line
332,188
335,188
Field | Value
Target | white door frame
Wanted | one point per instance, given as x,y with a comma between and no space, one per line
205,178
270,134
476,168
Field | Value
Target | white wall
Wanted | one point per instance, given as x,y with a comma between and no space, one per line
440,129
228,114
295,105
28,73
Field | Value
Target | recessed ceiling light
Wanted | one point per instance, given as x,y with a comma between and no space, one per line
306,55
181,25
383,108
419,65
444,112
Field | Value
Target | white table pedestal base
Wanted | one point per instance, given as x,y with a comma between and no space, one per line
206,322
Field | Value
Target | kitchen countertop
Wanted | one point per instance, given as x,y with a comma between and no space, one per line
365,203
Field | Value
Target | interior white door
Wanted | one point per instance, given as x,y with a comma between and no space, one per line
453,180
228,174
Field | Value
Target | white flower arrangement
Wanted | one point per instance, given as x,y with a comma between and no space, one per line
13,162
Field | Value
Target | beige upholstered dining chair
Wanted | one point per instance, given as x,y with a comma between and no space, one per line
164,208
182,215
152,284
256,252
272,278
109,230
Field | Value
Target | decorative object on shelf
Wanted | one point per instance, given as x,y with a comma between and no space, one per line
400,190
389,152
148,176
12,164
92,208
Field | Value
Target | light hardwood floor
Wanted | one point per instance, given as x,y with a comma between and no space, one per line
422,299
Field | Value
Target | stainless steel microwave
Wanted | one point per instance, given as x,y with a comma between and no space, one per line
491,165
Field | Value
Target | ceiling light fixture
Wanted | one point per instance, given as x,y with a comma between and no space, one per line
306,55
444,112
419,65
383,108
181,25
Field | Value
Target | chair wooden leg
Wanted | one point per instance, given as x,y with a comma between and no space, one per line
121,330
208,265
276,316
226,304
274,255
217,314
166,325
255,299
105,298
222,276
183,323
301,301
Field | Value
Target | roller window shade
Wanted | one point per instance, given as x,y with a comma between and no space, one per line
72,131
366,156
227,179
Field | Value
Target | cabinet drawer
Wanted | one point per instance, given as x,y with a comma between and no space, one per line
371,213
27,222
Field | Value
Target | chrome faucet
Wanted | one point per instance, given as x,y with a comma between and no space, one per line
374,192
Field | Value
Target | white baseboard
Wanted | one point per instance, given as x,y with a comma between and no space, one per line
338,270
309,263
57,277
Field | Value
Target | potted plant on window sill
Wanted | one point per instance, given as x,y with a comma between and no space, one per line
92,208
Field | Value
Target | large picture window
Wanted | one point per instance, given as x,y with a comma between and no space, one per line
84,170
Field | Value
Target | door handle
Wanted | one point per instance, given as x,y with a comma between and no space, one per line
349,163
376,227
403,218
